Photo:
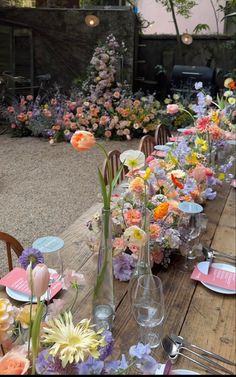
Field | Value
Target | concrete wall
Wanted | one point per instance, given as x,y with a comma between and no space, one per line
64,44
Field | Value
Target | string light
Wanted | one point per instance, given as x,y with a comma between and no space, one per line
92,20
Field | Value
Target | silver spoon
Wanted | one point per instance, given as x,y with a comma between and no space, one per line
211,253
181,345
183,342
172,349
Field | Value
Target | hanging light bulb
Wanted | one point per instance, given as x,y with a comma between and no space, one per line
92,20
186,38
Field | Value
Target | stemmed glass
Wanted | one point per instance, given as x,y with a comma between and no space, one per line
190,228
50,248
147,302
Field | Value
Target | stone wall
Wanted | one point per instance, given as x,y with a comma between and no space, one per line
63,44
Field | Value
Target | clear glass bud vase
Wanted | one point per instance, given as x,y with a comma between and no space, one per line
143,264
103,296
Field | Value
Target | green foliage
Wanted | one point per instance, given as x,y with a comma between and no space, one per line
201,27
182,7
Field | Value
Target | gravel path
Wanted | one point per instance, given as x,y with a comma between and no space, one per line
44,188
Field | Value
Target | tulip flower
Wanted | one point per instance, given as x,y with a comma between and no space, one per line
40,279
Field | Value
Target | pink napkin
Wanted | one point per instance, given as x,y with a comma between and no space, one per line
219,278
16,279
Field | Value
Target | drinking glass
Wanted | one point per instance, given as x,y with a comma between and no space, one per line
147,302
190,227
50,247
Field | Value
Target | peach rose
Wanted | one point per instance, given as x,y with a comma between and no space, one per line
137,185
83,140
132,217
172,109
14,362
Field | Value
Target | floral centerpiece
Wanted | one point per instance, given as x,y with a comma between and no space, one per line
55,345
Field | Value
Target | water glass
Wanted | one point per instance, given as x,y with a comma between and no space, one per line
147,303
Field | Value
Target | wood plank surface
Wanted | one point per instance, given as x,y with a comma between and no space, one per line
201,315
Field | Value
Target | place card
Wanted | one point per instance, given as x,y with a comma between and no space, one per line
17,280
217,277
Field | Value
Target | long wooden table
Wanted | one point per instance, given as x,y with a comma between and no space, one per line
203,317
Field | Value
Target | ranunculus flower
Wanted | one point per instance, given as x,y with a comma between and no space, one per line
83,140
132,217
40,278
14,363
172,109
137,185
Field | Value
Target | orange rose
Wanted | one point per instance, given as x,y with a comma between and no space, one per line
160,211
83,140
14,363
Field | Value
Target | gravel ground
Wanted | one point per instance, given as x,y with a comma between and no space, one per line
44,188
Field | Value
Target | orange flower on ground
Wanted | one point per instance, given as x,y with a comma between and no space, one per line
14,362
176,182
160,211
83,140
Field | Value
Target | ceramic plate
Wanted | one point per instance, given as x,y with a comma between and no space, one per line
18,296
231,142
226,267
190,207
183,371
164,148
182,129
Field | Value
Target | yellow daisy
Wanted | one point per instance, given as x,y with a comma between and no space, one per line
72,343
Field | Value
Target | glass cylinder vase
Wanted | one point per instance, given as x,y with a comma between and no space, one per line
103,295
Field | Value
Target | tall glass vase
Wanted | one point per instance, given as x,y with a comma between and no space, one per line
103,296
143,264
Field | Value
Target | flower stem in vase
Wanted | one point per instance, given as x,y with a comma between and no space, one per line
103,296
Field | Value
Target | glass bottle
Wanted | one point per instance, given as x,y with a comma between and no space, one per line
103,296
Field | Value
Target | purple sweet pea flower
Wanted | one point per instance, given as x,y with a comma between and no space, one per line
209,194
49,365
198,85
123,266
91,366
30,255
147,364
140,350
106,350
189,186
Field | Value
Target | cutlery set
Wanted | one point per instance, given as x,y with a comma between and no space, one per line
173,344
211,254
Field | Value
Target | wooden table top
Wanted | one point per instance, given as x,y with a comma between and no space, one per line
203,317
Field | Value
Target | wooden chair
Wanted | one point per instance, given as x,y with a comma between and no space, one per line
161,134
114,157
146,145
11,244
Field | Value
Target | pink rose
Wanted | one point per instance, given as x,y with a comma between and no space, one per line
172,109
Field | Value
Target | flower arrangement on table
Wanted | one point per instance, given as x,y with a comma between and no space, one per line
55,345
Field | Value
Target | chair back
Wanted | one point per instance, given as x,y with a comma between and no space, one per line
114,158
11,244
161,134
146,145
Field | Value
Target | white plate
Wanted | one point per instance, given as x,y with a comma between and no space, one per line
226,267
164,148
183,371
182,129
231,142
18,296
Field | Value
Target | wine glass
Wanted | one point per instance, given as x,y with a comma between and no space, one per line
147,302
190,228
50,247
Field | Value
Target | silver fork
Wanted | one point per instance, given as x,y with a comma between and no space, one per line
183,342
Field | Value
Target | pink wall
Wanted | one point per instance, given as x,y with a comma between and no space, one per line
202,13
